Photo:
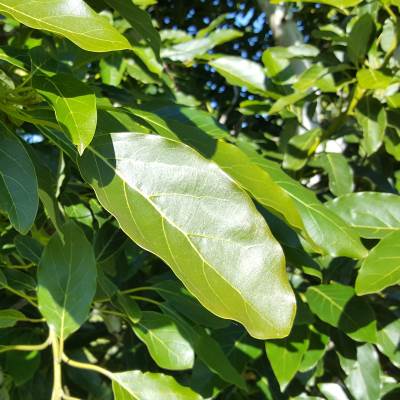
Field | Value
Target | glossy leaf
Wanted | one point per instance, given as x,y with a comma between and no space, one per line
373,215
364,379
136,385
73,19
74,104
166,344
201,255
229,157
337,305
66,280
18,183
382,266
329,232
285,355
241,72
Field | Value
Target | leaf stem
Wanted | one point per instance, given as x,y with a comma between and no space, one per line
89,367
27,347
57,393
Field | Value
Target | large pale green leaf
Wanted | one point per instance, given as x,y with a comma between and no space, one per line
339,172
382,266
67,280
74,104
194,128
337,305
285,355
327,230
372,118
18,183
182,207
73,19
166,344
374,215
136,385
364,380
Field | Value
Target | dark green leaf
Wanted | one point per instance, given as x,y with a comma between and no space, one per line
67,280
337,305
18,183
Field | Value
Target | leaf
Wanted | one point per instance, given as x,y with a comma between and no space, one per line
129,306
329,232
29,248
140,22
74,104
66,280
332,391
374,215
192,131
337,305
339,172
197,47
141,179
241,72
381,268
10,317
73,19
112,69
285,101
285,355
359,39
180,299
18,183
372,79
363,380
299,148
372,118
209,351
317,347
136,385
166,344
389,341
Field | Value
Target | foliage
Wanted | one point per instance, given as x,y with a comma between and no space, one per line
185,216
